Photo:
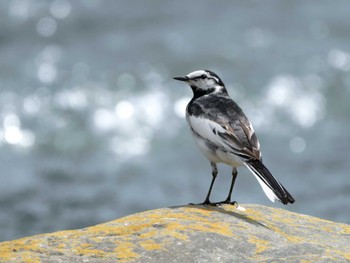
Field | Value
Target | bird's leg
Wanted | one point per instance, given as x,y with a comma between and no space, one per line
214,174
234,176
228,199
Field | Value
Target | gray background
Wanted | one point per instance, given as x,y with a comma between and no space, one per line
92,125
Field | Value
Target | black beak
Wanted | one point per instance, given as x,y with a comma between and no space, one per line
182,78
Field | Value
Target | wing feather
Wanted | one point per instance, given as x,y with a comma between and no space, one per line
213,132
223,123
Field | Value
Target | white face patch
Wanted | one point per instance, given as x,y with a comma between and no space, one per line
203,80
196,74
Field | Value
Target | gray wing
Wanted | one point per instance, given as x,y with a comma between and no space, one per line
227,123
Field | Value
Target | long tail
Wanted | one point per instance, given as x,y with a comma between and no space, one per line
273,189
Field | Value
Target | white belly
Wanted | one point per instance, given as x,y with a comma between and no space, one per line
215,154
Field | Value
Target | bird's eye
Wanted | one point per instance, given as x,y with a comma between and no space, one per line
203,76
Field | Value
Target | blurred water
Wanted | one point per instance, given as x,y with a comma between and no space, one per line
92,124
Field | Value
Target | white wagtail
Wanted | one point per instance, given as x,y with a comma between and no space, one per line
225,135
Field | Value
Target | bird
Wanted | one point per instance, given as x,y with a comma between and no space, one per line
225,135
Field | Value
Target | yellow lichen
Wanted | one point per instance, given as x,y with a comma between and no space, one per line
174,230
337,252
260,244
149,234
217,228
151,245
345,230
125,251
20,250
127,237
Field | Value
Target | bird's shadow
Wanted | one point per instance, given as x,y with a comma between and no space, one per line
224,211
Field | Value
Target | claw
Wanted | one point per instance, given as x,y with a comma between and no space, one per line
217,204
226,202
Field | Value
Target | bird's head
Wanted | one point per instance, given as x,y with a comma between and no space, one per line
203,82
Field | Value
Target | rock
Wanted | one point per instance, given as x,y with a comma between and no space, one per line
192,234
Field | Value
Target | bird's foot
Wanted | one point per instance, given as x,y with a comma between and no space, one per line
226,202
205,203
208,203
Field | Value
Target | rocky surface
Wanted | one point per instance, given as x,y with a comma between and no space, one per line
192,234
